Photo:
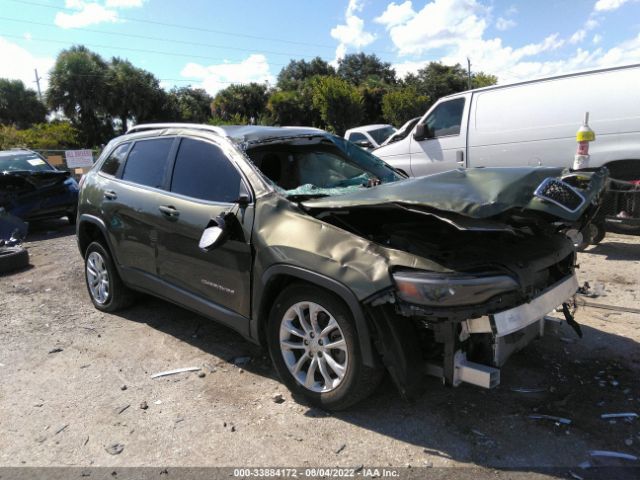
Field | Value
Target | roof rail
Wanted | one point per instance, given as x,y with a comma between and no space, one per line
192,126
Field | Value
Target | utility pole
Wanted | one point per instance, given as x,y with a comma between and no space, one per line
38,83
468,74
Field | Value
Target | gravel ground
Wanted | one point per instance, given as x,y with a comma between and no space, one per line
76,387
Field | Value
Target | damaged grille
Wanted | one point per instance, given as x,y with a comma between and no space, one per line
560,193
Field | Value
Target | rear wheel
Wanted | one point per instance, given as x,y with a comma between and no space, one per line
315,348
105,287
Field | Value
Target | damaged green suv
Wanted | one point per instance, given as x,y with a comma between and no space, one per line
341,266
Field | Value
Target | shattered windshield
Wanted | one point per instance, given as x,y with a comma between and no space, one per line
23,162
319,165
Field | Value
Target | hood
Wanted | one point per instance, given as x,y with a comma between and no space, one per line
45,178
478,193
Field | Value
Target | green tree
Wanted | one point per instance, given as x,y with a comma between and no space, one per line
297,72
403,104
357,68
77,86
481,79
247,101
55,135
191,104
134,94
339,103
19,106
437,80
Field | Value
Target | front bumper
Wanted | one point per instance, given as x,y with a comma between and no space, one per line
509,321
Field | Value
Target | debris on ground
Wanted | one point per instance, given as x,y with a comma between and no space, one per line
173,372
56,350
278,398
610,454
628,415
241,361
123,388
528,390
201,374
341,448
115,449
123,408
61,429
559,420
144,405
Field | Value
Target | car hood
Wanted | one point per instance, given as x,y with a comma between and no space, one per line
478,193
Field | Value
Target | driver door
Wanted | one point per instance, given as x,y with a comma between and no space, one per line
204,184
444,145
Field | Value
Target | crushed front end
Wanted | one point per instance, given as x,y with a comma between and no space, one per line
505,262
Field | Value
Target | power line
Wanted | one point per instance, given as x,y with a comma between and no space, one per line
140,50
187,27
158,39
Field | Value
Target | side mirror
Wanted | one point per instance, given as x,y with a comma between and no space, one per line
363,143
214,235
421,132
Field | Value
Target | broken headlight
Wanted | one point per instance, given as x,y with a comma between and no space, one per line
449,290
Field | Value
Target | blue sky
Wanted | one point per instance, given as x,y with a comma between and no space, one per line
213,43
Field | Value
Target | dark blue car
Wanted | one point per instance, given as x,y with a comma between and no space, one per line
32,189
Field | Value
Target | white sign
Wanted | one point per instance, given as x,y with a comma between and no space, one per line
78,158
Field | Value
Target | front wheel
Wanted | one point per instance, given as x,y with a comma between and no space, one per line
315,348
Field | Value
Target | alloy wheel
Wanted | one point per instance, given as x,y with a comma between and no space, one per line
313,347
98,277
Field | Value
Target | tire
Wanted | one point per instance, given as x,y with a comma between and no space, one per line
114,295
13,258
600,232
333,391
72,217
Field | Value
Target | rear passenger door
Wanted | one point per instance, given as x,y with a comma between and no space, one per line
204,184
131,178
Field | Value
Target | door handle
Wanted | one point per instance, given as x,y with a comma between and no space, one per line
110,195
169,211
460,158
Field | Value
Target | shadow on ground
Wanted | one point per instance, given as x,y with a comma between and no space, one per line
577,379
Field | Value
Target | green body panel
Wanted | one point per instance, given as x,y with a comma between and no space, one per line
285,234
477,193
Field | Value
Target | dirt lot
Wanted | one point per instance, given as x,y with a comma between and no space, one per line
73,381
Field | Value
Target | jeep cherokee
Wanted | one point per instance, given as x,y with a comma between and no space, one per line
342,267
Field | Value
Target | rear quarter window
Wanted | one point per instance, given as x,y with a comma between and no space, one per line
112,164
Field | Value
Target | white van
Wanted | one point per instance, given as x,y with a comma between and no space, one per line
534,123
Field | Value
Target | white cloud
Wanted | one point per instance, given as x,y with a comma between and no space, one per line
441,23
503,24
124,3
17,63
254,68
88,14
597,38
396,14
578,36
608,5
92,13
352,33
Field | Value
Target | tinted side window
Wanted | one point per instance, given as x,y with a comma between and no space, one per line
204,172
112,164
356,136
147,162
446,118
